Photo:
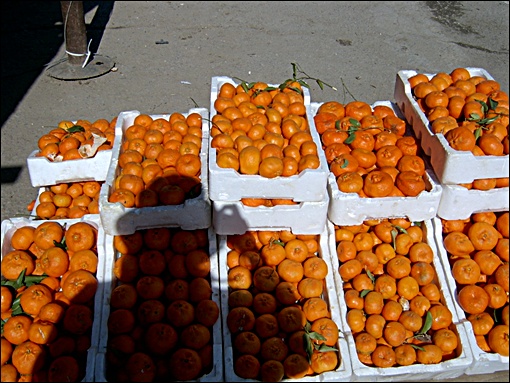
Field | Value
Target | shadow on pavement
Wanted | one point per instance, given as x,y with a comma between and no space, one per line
31,35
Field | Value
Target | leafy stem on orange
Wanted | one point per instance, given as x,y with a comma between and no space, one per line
310,337
422,334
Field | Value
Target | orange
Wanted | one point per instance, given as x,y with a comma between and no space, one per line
378,184
498,339
473,299
383,356
54,262
28,357
80,286
80,236
14,262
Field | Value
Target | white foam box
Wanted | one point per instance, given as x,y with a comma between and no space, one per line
302,218
9,226
351,209
42,189
451,166
110,282
44,172
483,362
194,213
449,369
457,202
343,372
230,185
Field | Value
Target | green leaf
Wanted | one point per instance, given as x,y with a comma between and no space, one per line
394,233
371,276
34,279
344,164
474,117
355,123
350,138
427,324
321,85
415,346
478,133
76,129
364,292
485,107
308,327
401,229
316,336
270,88
308,346
492,104
324,348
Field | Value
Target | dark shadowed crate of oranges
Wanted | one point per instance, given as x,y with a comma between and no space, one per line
88,145
161,310
280,312
376,165
52,286
398,311
260,140
474,253
67,200
158,175
461,118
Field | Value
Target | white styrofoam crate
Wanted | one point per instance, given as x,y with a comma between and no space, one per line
110,282
230,185
483,362
193,214
236,218
451,166
44,172
341,374
457,202
351,209
449,369
9,226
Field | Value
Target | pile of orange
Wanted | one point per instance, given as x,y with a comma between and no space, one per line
262,130
48,288
276,303
368,152
161,308
159,161
69,200
470,111
477,250
64,141
395,309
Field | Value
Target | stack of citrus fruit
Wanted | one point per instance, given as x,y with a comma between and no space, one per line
48,290
470,111
477,250
368,151
395,309
162,313
159,163
65,141
262,130
68,200
279,318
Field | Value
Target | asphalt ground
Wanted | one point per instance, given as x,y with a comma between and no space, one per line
166,52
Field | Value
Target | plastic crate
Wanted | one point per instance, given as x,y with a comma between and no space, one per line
449,369
483,362
344,370
451,166
193,214
9,226
110,282
230,185
351,209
